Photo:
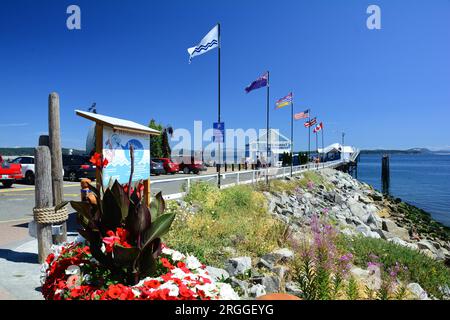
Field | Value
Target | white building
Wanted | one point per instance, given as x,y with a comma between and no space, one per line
336,151
278,144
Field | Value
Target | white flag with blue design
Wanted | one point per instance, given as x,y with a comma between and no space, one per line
210,41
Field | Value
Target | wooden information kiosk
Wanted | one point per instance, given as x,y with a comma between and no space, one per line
113,138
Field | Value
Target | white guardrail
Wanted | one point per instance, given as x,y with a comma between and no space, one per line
176,188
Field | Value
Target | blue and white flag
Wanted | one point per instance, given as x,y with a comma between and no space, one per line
210,41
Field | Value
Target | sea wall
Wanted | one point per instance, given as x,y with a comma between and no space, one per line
359,209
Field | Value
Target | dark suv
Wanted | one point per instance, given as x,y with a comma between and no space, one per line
77,167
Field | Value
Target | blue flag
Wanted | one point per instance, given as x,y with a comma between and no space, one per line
258,83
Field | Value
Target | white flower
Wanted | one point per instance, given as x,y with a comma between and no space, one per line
209,289
136,292
177,256
178,273
173,288
227,292
167,251
192,262
71,270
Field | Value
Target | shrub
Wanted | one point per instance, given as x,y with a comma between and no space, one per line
429,273
234,217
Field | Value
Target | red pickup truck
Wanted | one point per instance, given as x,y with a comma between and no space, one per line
9,172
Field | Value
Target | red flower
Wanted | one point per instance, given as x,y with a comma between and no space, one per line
167,277
166,263
50,258
185,292
97,160
181,264
75,293
114,291
120,237
152,284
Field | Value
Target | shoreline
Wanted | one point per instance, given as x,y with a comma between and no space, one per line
358,208
407,214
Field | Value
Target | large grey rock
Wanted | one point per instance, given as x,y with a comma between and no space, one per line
271,283
397,231
338,198
403,243
373,221
357,210
217,274
348,232
284,254
256,290
263,263
359,273
239,265
292,288
426,245
242,285
417,290
363,229
365,200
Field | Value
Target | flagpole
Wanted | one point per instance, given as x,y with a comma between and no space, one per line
218,73
309,137
267,133
317,143
292,133
323,150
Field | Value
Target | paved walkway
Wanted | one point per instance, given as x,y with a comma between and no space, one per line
19,272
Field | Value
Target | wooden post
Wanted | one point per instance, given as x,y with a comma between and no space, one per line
43,198
385,174
54,131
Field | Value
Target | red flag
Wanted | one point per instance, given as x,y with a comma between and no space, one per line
318,128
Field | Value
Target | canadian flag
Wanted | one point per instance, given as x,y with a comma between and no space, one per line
318,128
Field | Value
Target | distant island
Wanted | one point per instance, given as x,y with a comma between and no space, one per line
29,151
407,151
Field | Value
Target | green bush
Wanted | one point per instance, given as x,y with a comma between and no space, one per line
429,273
234,217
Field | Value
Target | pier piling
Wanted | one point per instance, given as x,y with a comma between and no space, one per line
385,174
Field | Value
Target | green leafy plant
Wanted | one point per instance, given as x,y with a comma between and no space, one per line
124,234
352,291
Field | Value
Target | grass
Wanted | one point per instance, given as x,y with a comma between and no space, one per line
429,273
289,186
235,217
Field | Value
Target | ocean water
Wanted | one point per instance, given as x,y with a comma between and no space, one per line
422,180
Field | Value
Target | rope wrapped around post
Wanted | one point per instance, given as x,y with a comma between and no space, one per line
50,216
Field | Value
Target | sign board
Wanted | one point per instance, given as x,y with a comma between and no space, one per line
116,149
219,132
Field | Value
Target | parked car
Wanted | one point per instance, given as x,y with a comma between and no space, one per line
9,172
27,163
77,167
193,167
156,168
169,165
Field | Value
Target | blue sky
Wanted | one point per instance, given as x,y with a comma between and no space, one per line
385,88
